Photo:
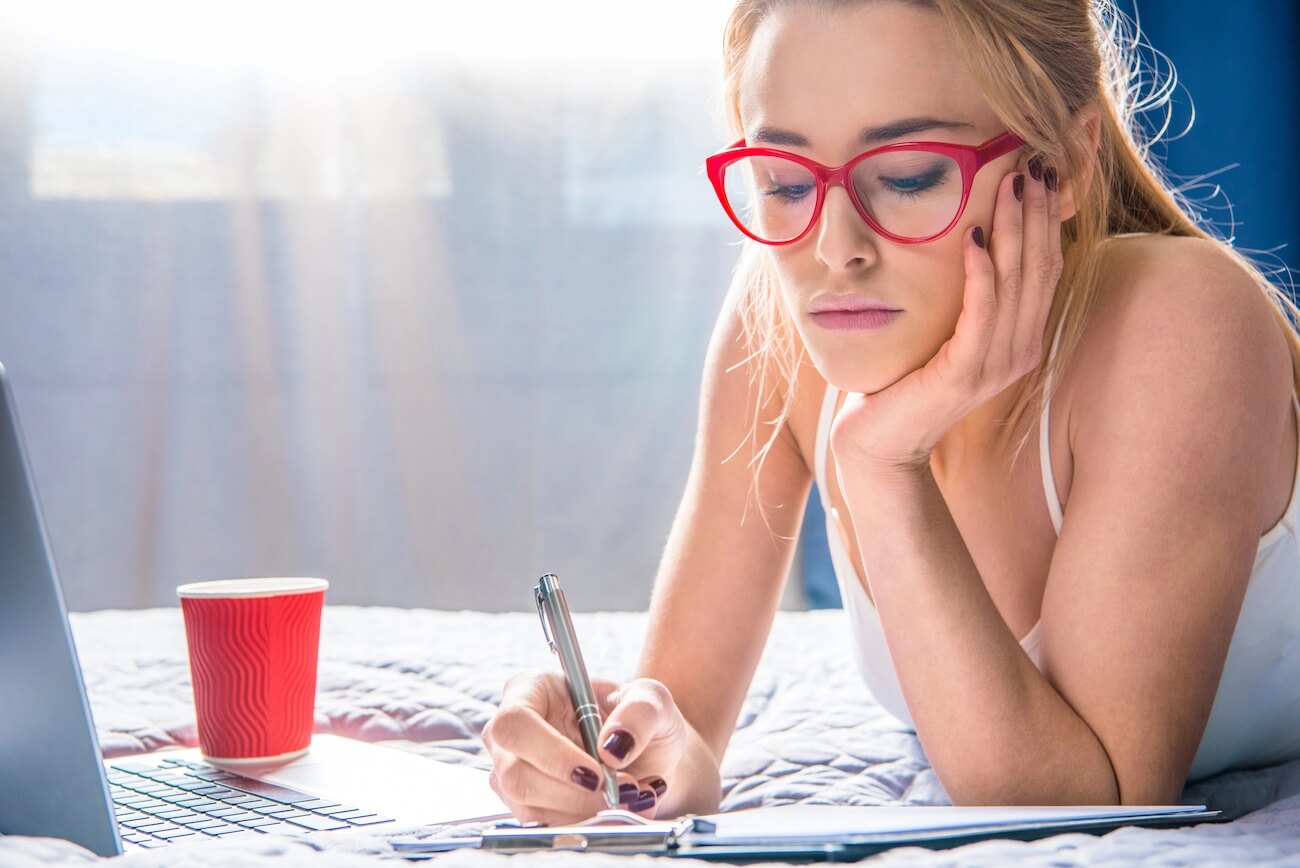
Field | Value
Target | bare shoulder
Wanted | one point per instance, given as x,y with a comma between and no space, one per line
741,388
1145,274
1177,310
1183,368
735,379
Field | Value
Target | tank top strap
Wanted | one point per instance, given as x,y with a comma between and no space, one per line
1044,446
822,447
1045,451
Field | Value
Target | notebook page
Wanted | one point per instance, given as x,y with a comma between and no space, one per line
832,821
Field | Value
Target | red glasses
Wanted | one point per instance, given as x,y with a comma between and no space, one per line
909,192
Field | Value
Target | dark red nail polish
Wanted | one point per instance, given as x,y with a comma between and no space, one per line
644,801
1049,177
1036,167
1018,187
619,743
584,777
627,793
978,235
659,785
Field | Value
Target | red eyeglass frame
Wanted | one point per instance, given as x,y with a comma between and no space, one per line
971,158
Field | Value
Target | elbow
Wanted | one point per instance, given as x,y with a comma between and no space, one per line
1057,781
1005,793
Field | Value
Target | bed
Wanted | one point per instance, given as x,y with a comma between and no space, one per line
427,681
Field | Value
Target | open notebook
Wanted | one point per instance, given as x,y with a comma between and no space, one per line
829,832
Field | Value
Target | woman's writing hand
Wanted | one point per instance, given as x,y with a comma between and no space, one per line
998,338
540,769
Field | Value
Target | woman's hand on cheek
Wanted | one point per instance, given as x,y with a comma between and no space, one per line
998,338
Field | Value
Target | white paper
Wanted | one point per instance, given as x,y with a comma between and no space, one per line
838,821
412,789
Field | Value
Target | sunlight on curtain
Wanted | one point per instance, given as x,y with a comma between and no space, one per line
414,296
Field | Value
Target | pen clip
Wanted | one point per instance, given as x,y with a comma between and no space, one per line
540,596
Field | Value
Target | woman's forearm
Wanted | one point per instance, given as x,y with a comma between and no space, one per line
995,730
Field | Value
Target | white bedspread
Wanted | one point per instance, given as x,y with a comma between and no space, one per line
427,681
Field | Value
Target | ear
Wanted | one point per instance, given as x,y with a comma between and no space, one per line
1085,132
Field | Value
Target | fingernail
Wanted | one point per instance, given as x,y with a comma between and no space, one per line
659,785
585,777
1036,167
619,743
1049,177
978,235
627,793
1018,187
644,800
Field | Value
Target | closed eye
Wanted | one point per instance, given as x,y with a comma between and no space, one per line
915,185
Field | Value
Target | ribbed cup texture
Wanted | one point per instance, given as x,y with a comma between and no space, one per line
253,664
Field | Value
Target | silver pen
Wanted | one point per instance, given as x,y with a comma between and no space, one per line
557,626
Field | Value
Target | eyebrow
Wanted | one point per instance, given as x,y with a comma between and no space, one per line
868,136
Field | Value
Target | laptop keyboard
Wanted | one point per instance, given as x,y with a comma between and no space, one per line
162,800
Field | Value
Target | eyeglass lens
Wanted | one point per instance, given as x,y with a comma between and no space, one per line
912,194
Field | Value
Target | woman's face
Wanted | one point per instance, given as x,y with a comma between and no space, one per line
822,78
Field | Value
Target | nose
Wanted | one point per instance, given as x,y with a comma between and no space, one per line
844,240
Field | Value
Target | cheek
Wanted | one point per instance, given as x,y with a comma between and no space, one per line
936,281
932,323
786,263
795,283
948,273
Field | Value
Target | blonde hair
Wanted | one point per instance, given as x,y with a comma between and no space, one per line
1036,63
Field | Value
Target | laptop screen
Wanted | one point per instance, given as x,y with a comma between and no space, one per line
53,778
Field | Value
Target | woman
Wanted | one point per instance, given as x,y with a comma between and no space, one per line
1056,623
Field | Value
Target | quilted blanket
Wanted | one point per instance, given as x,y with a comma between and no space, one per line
428,681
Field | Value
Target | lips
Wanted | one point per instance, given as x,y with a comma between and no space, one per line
855,320
848,304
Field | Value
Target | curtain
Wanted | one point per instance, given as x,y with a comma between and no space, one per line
414,297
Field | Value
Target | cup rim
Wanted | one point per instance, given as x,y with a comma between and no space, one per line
247,588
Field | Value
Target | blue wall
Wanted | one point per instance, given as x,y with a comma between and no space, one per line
1238,62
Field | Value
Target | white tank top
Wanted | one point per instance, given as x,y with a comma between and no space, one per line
1255,719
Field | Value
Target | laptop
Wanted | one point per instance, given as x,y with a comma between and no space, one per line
55,783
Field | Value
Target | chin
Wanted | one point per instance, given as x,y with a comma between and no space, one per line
863,367
845,378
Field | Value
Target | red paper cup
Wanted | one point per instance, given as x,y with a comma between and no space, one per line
253,647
